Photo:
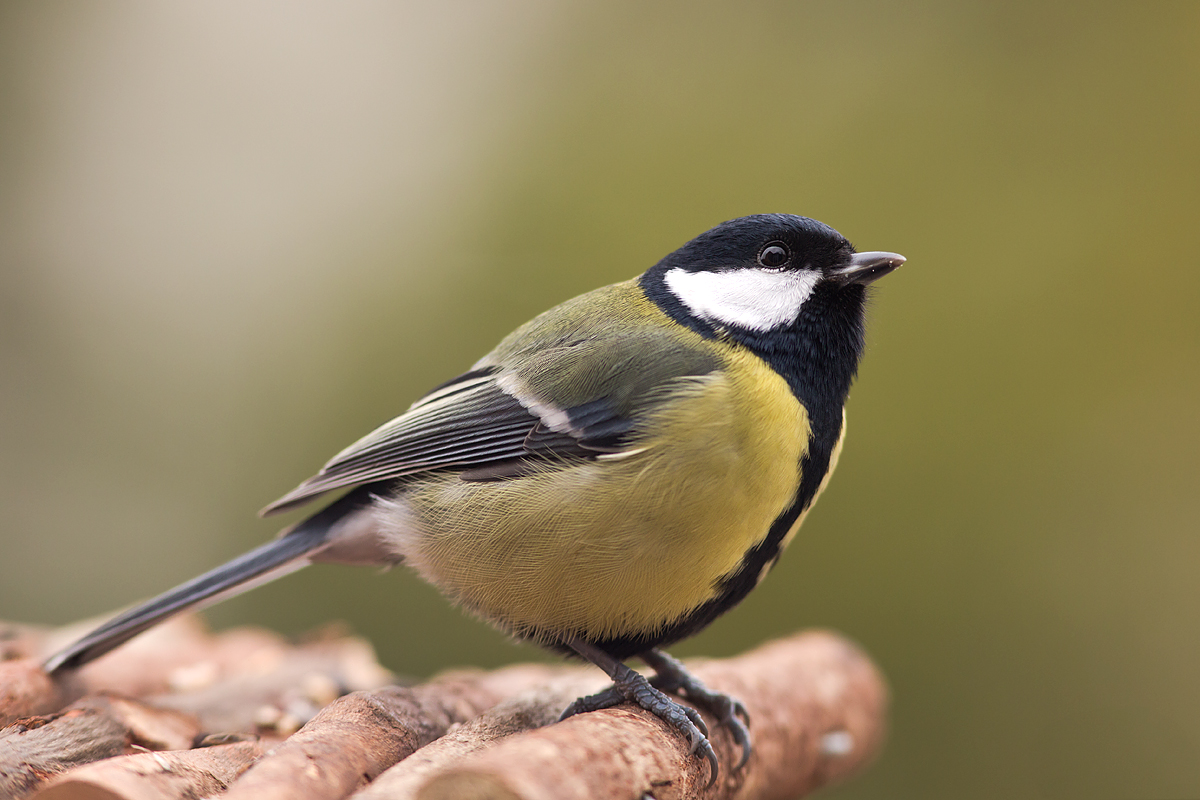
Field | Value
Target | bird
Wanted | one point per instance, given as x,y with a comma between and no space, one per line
616,474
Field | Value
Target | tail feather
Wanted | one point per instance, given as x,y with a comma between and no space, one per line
272,560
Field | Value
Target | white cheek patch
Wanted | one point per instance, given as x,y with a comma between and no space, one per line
745,298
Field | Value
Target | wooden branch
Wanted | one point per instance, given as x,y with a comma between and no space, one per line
147,664
95,728
358,736
26,691
143,666
270,687
156,776
533,708
816,706
230,682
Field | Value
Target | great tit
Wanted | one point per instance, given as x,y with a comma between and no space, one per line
616,474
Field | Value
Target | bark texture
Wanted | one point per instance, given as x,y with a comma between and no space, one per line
245,714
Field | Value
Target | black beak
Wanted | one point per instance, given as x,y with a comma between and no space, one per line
866,267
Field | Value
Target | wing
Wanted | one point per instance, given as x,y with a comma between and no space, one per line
491,425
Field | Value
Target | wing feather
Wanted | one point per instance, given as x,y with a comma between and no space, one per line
488,424
467,424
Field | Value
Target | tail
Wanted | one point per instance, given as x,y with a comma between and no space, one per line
292,551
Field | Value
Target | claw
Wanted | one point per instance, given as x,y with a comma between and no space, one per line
713,769
742,737
671,676
648,694
633,687
696,719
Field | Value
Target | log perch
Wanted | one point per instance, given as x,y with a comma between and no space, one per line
156,776
816,706
245,714
95,728
358,736
27,691
530,709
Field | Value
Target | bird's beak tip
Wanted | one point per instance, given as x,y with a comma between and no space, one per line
867,267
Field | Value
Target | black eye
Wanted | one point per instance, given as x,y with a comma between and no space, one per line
774,255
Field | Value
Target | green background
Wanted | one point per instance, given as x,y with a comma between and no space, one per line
236,236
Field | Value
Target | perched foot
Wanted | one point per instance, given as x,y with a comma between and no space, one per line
671,676
631,686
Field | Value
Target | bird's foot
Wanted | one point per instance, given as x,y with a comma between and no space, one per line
633,687
671,676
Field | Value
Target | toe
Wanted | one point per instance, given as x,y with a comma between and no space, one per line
696,719
713,769
594,702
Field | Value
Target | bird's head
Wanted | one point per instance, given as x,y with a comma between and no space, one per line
756,274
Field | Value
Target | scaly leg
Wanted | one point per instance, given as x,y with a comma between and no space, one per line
633,687
671,676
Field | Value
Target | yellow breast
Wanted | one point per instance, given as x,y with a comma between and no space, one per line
625,544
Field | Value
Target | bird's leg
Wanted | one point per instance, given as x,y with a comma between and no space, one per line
671,676
629,685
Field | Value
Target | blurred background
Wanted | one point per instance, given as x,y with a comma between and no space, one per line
235,236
